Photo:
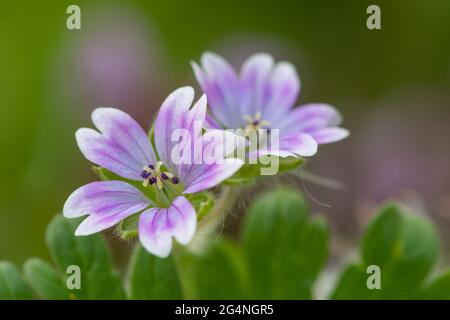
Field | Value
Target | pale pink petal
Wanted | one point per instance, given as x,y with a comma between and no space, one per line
157,226
219,81
311,116
175,116
292,144
121,146
211,167
255,89
284,90
211,123
329,135
106,203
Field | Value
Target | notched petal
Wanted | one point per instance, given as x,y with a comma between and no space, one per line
157,226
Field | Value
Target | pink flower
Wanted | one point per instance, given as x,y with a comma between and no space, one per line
263,96
121,146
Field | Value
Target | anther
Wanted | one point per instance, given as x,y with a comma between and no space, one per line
164,176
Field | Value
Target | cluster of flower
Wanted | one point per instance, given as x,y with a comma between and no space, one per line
153,186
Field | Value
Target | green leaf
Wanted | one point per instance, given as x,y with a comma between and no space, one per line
290,163
352,284
411,250
238,181
379,243
285,250
12,285
438,289
150,277
245,175
45,280
249,172
405,247
99,280
221,273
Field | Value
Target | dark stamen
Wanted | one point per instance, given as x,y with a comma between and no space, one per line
145,174
175,180
164,176
255,123
151,166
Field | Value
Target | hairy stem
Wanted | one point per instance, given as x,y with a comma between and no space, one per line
210,223
218,213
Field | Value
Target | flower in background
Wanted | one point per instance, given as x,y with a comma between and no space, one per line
113,63
122,147
262,97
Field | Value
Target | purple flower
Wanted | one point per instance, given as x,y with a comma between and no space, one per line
262,96
121,146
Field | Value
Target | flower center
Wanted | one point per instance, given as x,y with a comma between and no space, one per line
154,175
254,123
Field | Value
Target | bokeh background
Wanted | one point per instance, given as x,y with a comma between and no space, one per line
392,86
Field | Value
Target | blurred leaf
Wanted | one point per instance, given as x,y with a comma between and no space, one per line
438,289
45,280
12,285
151,277
380,240
352,284
221,273
238,181
285,250
90,253
249,172
405,247
290,163
245,175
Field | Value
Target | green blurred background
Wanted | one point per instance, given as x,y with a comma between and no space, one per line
392,85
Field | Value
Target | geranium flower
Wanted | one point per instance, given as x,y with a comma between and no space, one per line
123,147
263,96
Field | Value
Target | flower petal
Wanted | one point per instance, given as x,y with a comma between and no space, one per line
284,88
318,120
254,83
122,146
106,203
102,151
219,81
311,116
210,123
157,226
329,135
291,144
173,115
212,175
210,166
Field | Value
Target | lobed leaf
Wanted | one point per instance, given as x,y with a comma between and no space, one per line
285,250
99,280
45,281
12,285
150,277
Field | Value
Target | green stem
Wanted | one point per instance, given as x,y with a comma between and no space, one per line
206,226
